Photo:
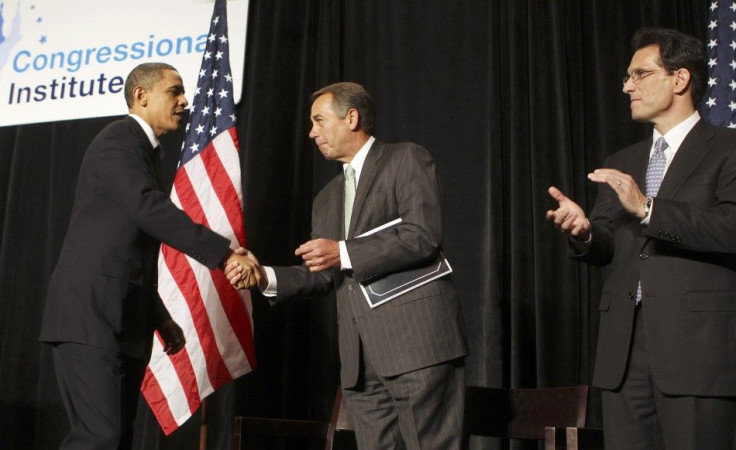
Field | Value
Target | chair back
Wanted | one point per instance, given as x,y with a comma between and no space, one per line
523,413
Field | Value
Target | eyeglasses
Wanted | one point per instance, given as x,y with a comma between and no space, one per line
638,75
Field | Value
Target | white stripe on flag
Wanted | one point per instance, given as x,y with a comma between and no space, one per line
168,380
213,210
228,154
225,339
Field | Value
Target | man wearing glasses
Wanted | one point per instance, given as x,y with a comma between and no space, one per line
664,224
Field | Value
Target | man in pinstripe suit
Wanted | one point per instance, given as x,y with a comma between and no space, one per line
402,363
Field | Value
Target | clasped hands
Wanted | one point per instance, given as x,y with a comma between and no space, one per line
244,271
570,218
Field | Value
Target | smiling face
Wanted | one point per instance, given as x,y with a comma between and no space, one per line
162,106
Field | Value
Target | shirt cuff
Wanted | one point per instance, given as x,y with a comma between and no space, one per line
345,263
271,289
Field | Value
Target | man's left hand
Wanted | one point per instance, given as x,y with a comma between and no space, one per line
629,194
172,335
319,254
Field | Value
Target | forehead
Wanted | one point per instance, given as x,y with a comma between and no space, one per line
645,58
323,105
170,78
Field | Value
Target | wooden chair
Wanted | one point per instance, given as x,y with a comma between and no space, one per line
583,438
336,434
541,414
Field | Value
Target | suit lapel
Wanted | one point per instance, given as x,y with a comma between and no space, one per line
640,163
691,152
367,176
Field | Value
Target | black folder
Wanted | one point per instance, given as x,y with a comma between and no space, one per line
388,287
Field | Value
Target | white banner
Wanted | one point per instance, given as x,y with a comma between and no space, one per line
62,60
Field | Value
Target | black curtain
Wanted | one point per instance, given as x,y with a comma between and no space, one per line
510,97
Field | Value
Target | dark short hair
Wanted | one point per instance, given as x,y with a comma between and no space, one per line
677,50
347,95
144,75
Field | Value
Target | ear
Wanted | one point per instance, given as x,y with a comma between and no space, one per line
353,117
682,80
140,96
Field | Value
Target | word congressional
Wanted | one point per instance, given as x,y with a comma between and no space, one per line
65,88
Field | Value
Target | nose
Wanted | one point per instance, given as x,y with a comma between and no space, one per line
184,101
628,86
312,133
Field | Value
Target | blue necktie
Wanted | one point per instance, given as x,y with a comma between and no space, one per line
655,173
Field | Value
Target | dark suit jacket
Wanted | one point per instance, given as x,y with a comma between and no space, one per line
421,327
103,290
686,261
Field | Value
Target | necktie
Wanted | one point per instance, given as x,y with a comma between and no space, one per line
655,170
655,173
349,196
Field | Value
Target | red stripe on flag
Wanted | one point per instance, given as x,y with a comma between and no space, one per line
238,316
185,279
183,367
157,401
223,187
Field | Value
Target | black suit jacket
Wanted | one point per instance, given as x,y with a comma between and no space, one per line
103,290
686,261
421,327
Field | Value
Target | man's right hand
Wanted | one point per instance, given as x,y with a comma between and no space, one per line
243,270
569,217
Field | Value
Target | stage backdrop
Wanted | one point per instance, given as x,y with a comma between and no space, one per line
510,97
68,60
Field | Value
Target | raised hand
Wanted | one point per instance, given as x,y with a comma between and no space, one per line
569,217
319,254
628,192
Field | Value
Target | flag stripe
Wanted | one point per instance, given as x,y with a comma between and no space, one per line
158,402
222,185
216,319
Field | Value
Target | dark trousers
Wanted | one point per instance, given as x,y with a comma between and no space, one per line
100,391
639,416
422,409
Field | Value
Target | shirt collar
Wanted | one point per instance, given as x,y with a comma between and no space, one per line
677,134
150,134
359,158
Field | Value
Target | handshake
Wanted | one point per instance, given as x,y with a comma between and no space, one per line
243,270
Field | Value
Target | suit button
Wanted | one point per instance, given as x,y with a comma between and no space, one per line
643,255
354,320
351,288
632,296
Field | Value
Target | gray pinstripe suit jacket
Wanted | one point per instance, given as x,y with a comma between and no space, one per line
418,329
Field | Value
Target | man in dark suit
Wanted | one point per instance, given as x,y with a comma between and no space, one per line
102,304
402,366
666,356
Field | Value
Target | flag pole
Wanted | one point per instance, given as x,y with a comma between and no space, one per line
203,426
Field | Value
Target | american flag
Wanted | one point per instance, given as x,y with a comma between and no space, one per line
719,103
216,318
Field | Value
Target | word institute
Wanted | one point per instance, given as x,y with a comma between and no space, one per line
62,88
